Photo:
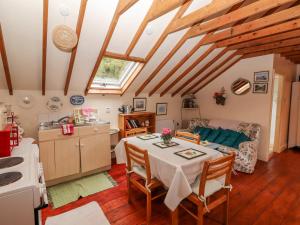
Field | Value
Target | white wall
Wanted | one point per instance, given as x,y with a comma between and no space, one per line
29,118
250,107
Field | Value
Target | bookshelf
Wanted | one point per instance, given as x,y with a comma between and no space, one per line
126,122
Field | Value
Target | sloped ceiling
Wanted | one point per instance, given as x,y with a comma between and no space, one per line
22,25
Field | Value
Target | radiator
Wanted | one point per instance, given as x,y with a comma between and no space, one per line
160,124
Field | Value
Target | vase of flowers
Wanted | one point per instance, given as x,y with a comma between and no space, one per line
166,136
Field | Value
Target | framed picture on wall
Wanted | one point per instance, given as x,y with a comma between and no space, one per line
261,76
161,109
260,88
139,104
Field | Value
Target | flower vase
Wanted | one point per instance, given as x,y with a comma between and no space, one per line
167,141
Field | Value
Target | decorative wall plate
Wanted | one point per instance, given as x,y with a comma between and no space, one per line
54,104
64,38
26,101
77,99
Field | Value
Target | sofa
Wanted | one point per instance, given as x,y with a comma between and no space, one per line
240,137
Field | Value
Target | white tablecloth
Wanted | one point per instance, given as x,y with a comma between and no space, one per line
173,171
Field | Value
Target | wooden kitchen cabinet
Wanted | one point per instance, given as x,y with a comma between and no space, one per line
47,156
93,152
65,157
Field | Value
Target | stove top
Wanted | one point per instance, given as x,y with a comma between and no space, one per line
10,162
9,177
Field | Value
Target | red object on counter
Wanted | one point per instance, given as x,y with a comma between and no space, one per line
67,129
5,148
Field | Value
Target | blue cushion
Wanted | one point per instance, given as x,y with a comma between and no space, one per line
205,133
231,139
241,138
222,136
213,135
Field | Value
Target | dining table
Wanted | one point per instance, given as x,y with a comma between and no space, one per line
177,173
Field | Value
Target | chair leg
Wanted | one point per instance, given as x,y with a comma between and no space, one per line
148,207
174,216
129,188
200,215
226,211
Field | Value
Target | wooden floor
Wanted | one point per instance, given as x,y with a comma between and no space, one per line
270,196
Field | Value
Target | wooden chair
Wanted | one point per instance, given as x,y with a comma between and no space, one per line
138,164
187,136
215,178
136,131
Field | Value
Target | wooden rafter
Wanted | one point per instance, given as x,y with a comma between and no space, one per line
291,53
201,71
271,51
239,14
124,57
272,19
157,9
74,50
268,39
217,75
277,29
189,69
5,63
120,9
202,13
279,44
178,65
44,53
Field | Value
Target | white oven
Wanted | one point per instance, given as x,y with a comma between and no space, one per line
22,186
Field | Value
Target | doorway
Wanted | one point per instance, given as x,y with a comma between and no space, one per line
276,114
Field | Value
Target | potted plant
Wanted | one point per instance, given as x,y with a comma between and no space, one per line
166,136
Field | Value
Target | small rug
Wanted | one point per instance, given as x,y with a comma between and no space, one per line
71,191
89,214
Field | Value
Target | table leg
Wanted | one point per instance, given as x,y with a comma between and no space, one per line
174,217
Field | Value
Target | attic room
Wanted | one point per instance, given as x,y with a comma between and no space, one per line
155,112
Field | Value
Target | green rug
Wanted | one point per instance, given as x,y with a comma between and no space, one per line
71,191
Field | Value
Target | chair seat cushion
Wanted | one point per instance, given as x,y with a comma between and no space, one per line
140,171
211,186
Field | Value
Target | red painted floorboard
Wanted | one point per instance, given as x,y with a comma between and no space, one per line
270,196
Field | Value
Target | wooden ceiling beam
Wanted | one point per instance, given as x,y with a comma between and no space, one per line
80,18
271,51
5,62
291,53
124,5
161,7
187,56
189,69
178,65
44,48
266,40
275,45
239,14
218,74
272,19
273,30
218,66
119,10
202,13
124,57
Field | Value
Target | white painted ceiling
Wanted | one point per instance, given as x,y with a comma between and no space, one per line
22,29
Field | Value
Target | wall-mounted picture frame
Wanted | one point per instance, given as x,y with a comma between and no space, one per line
161,109
139,104
261,76
260,88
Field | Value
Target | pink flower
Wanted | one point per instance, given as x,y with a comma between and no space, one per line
166,131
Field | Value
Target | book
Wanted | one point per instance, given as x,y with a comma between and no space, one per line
127,124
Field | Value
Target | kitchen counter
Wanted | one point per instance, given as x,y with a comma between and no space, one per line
51,126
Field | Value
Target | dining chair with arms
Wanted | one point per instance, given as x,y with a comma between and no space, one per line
136,131
138,164
215,178
187,136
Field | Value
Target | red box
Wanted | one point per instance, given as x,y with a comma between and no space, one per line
5,145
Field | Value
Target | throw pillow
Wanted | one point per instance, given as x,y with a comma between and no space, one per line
213,135
241,138
205,133
231,139
222,136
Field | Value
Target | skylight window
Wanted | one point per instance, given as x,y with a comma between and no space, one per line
114,73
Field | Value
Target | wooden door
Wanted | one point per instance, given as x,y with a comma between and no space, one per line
67,159
95,152
47,157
